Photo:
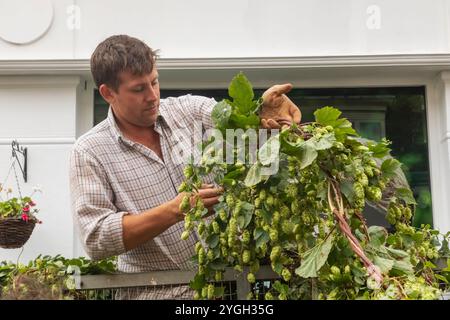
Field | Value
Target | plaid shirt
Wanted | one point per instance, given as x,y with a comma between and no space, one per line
111,176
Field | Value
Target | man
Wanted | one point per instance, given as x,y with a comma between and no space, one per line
123,177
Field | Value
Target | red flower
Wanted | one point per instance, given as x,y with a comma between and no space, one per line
25,217
26,209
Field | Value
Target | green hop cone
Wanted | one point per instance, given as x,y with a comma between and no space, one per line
238,268
282,296
201,228
218,276
276,218
210,255
185,235
201,256
205,292
223,215
198,245
286,274
255,266
262,195
229,199
257,202
273,235
188,171
216,227
182,187
268,296
210,291
246,256
246,237
275,253
335,270
251,277
270,201
185,205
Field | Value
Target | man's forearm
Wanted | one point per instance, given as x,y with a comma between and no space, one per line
140,228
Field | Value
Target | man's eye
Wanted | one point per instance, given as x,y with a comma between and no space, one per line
154,83
138,89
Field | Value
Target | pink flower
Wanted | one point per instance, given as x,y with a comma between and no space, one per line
31,203
26,209
25,217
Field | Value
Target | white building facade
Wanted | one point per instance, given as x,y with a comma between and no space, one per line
47,93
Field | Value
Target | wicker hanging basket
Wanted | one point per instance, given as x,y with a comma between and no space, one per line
15,232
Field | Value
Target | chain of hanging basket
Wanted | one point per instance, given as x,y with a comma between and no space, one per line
15,232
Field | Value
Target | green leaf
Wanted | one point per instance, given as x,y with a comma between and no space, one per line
325,142
263,239
380,149
348,191
221,114
267,215
219,291
442,278
269,152
307,154
389,167
277,267
247,209
327,116
377,235
281,288
315,258
396,253
245,122
241,91
444,250
198,283
253,175
290,148
218,265
342,128
212,240
402,267
385,265
447,269
260,236
406,195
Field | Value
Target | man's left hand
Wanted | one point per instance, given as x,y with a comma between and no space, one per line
278,110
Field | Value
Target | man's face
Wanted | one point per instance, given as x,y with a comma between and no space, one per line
136,101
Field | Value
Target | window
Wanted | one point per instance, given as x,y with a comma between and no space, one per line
398,113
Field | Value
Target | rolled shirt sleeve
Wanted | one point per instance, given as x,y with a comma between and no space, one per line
98,220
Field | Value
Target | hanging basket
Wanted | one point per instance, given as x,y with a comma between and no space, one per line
15,232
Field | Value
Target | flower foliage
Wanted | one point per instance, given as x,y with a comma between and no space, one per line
23,208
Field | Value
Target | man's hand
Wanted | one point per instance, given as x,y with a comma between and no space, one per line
207,193
278,110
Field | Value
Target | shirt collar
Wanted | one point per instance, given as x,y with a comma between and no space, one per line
118,135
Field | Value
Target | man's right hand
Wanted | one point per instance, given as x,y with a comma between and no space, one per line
207,193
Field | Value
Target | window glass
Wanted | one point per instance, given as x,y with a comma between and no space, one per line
399,114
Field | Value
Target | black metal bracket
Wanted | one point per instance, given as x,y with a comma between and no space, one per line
18,149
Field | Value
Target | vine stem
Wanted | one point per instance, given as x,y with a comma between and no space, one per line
339,214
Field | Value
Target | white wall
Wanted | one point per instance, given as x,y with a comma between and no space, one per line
40,113
242,28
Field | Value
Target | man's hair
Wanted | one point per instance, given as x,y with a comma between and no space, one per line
120,53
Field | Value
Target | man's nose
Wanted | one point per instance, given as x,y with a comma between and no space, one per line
151,94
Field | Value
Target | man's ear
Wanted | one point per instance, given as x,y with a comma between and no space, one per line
107,93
